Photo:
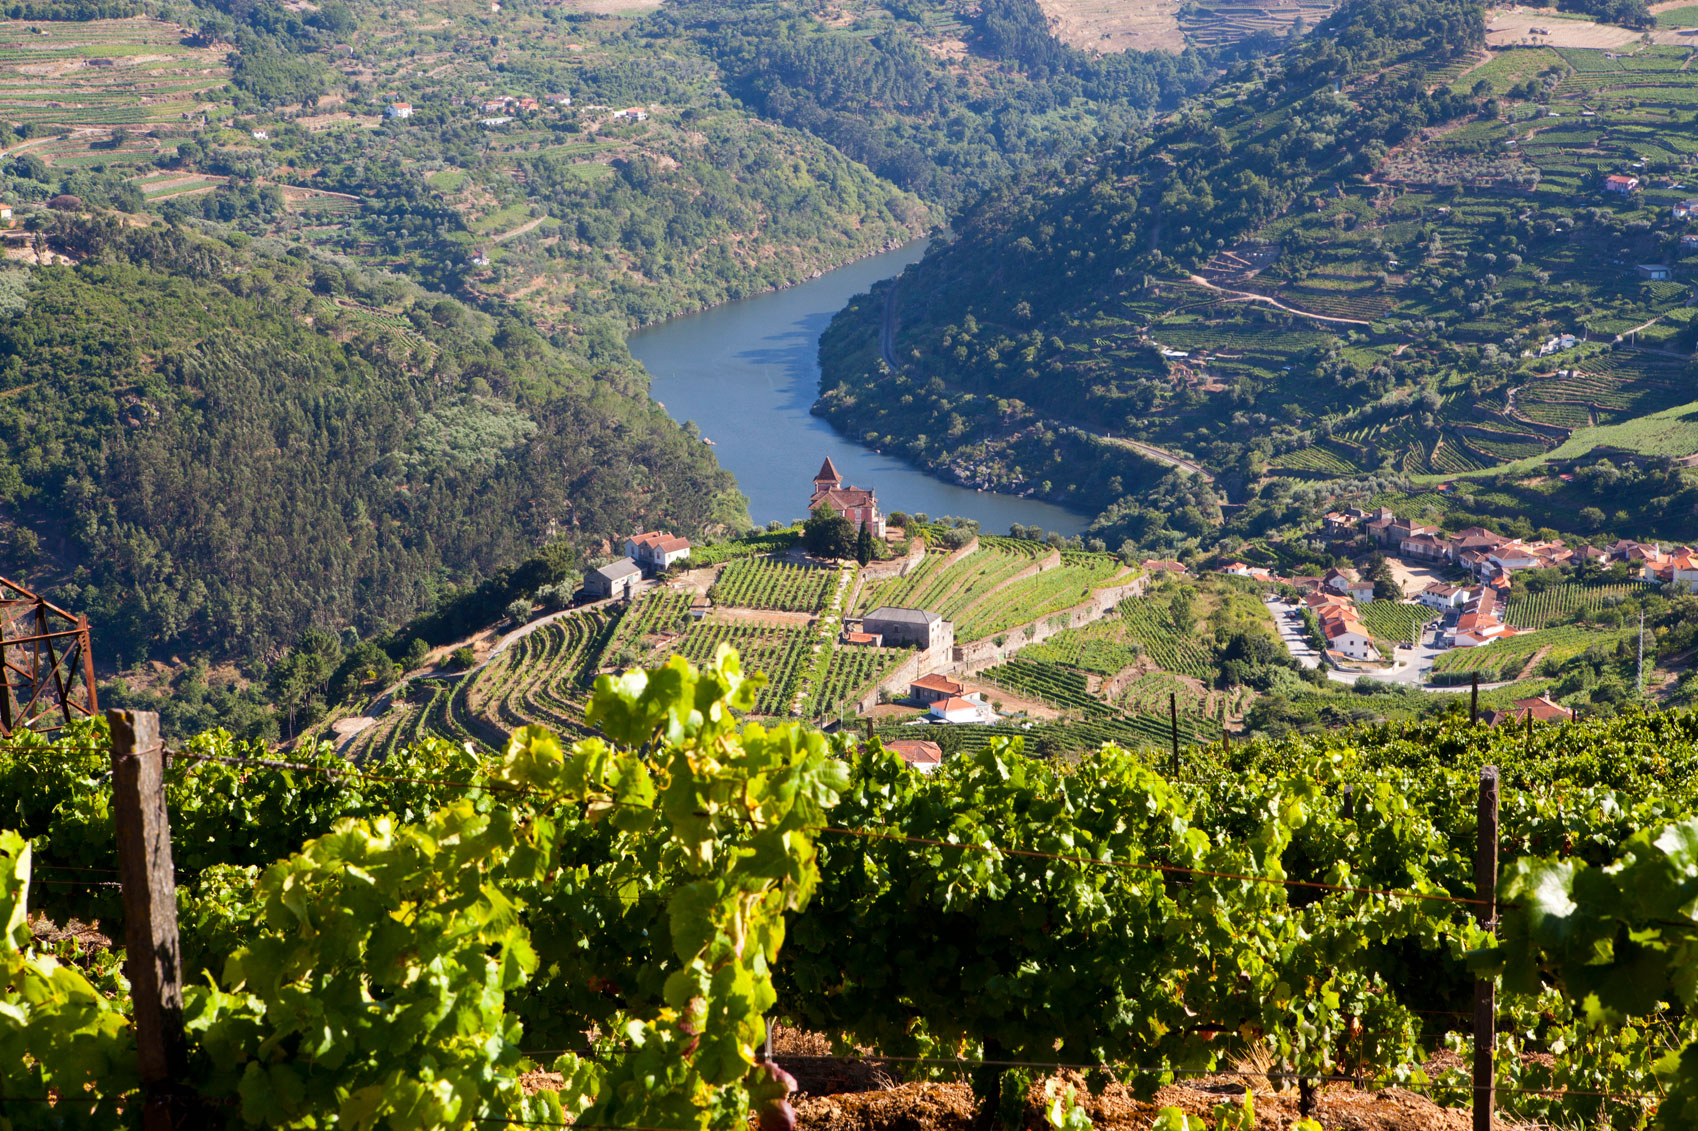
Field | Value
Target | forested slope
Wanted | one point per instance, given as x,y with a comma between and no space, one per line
218,454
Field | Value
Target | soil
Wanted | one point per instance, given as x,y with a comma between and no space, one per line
1116,25
949,1107
1508,26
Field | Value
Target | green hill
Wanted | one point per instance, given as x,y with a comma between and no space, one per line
1343,263
214,449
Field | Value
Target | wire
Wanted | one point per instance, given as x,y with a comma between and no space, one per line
1171,869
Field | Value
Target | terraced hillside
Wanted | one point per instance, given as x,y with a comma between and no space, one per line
1389,301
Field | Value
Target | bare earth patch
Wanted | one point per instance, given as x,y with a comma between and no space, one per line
1116,25
1511,26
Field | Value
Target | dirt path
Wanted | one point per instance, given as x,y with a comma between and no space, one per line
1532,664
1252,296
529,226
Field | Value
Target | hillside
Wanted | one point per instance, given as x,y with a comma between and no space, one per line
211,449
1344,264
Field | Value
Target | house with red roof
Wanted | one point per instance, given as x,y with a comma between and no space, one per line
921,755
655,550
857,504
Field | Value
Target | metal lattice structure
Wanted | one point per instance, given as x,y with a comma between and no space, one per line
46,664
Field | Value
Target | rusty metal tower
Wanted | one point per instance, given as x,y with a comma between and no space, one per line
46,665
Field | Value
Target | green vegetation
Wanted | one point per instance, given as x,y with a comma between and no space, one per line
1391,623
261,475
680,856
766,583
1508,657
1449,220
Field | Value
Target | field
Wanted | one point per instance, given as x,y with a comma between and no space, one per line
1139,627
1540,610
106,81
781,653
1116,25
950,590
1033,598
1393,622
768,583
1506,658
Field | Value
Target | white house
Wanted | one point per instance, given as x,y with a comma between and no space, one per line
1350,639
616,579
1440,596
398,110
962,709
656,550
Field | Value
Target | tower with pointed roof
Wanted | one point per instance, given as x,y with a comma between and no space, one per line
857,504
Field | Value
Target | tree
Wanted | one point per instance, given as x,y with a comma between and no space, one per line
864,545
518,610
1180,610
828,534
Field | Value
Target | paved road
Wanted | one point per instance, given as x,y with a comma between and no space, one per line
1411,667
1289,621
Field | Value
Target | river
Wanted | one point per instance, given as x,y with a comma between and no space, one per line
747,373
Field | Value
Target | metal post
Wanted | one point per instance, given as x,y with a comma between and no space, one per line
1173,719
153,962
1485,990
1474,700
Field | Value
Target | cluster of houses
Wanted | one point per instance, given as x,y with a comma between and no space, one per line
1347,638
646,554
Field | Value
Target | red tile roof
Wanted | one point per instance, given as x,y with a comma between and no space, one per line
935,682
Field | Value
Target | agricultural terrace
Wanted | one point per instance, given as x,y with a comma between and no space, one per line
773,584
1046,738
1140,627
1143,699
120,87
783,653
1568,602
848,672
651,620
956,589
1519,657
1033,598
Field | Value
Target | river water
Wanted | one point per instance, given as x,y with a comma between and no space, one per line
747,374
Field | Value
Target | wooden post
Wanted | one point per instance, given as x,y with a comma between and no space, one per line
1474,699
153,961
1485,994
1349,798
1173,719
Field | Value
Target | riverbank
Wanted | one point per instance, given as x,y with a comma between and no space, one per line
747,374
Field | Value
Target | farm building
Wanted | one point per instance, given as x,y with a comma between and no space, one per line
616,579
1654,272
935,688
1540,710
1685,209
398,110
1621,185
655,550
962,709
910,628
923,756
1689,241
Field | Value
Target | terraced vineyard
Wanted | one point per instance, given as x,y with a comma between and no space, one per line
768,583
1505,658
950,590
1130,731
851,670
782,652
1540,610
660,612
101,75
1033,598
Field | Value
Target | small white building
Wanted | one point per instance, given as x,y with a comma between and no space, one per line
962,709
397,110
655,550
1442,596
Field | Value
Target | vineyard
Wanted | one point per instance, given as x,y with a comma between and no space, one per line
1563,602
1033,598
850,671
767,583
949,591
1393,622
1096,721
726,871
1505,658
1139,627
782,653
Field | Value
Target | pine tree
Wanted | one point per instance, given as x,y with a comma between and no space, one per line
864,545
